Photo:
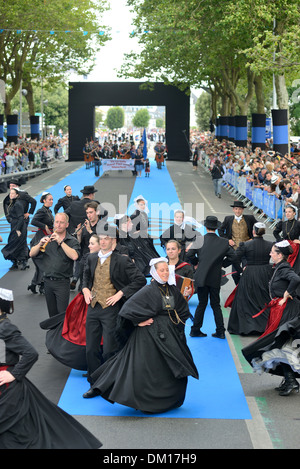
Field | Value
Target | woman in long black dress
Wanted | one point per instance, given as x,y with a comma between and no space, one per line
276,351
66,334
28,420
43,220
251,294
289,229
150,372
16,249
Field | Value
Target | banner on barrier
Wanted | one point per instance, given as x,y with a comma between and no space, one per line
113,165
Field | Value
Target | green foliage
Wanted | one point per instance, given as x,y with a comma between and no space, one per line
31,48
217,43
115,118
141,118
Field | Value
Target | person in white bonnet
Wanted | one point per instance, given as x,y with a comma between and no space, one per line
150,372
28,420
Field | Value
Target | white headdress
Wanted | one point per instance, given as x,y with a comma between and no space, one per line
6,294
140,197
154,274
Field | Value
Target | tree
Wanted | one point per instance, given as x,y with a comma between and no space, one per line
30,49
141,118
203,111
115,118
222,46
159,122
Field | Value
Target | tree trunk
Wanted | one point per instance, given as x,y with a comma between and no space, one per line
29,98
259,94
281,92
280,84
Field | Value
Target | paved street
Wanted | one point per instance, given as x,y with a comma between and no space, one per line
275,422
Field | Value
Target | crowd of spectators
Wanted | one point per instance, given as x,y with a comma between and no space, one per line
278,174
29,154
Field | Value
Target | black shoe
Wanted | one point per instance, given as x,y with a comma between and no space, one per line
24,265
14,266
73,284
32,288
91,393
291,384
197,334
41,289
281,385
220,335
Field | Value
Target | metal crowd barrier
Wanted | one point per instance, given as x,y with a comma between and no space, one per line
254,198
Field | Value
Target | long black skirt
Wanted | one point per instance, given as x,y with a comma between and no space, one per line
146,374
251,296
28,420
280,346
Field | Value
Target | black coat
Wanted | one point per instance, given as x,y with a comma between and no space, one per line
16,248
214,254
284,278
28,203
124,275
65,202
43,217
28,420
287,230
77,213
255,251
225,230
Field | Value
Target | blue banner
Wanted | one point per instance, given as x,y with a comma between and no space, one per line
249,192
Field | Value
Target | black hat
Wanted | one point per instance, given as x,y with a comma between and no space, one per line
88,190
212,223
106,229
15,181
238,203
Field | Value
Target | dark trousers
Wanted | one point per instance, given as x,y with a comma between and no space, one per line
100,323
213,293
97,167
57,294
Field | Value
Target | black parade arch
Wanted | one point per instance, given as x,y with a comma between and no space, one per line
85,96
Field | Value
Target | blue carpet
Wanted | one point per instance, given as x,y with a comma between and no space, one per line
218,393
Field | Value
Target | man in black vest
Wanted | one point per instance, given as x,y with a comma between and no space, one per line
237,228
109,278
214,254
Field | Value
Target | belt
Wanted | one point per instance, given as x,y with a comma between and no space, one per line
56,278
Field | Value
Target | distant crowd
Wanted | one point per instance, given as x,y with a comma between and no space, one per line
29,154
277,174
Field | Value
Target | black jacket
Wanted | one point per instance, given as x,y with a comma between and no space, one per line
25,198
77,213
225,230
65,202
124,275
256,251
284,278
43,217
214,254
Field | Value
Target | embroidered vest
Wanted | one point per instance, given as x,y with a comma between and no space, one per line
102,286
239,232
